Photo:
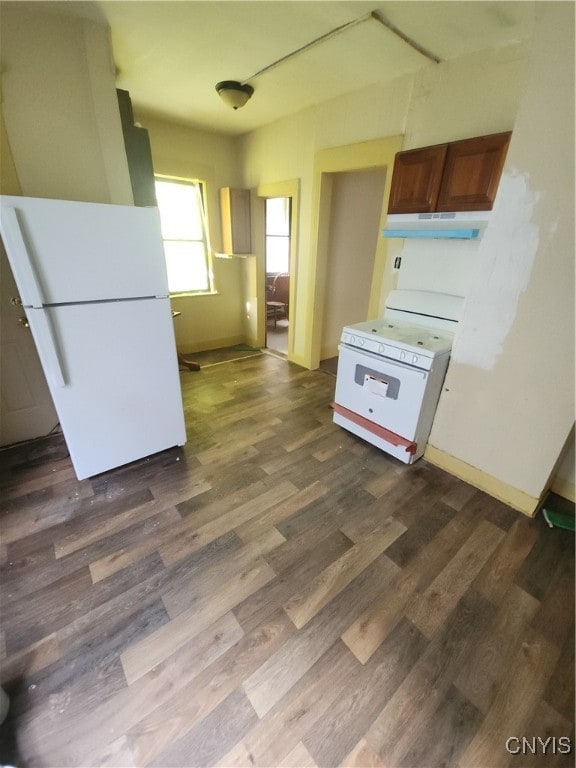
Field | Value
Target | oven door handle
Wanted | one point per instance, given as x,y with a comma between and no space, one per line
384,360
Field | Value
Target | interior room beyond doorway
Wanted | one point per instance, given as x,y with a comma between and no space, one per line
277,227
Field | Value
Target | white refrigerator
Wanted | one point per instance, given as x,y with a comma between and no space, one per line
92,280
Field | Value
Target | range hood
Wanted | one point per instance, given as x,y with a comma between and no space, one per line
451,226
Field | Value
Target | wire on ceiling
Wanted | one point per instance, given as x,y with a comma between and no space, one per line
374,15
377,16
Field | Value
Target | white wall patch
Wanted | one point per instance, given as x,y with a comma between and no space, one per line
505,259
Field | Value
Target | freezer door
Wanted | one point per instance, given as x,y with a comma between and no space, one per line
68,252
116,388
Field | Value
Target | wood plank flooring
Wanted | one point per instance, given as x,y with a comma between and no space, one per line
277,593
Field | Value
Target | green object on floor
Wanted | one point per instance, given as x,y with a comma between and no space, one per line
559,512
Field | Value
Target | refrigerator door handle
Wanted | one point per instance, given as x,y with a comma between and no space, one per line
23,268
46,344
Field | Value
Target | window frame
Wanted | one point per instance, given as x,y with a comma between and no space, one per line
287,238
201,185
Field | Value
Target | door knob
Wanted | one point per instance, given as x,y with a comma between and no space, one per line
24,322
16,301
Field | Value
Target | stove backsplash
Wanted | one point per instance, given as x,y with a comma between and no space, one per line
443,266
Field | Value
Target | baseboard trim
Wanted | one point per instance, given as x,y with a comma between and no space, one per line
210,344
500,490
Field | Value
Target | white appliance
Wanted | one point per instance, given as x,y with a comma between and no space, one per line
391,370
468,225
92,281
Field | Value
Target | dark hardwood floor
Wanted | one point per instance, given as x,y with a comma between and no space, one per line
277,593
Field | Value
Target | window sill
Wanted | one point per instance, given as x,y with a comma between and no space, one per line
186,294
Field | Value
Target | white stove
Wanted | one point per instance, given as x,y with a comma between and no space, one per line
391,370
407,343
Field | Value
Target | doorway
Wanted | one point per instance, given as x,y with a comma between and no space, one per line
312,274
356,199
278,216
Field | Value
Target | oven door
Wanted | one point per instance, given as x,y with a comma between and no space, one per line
384,391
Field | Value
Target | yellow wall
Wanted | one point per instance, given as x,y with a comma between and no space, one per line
378,153
477,94
472,96
9,183
507,427
350,131
563,482
215,320
60,108
508,401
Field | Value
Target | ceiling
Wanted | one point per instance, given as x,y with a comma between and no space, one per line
170,55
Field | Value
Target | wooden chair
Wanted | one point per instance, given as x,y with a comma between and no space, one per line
277,298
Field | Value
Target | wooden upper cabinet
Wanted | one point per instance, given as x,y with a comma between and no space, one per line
472,173
416,179
235,216
459,176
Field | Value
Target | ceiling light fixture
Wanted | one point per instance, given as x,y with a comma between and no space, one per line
234,93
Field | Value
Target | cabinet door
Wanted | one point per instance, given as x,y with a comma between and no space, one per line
138,153
235,214
416,180
472,173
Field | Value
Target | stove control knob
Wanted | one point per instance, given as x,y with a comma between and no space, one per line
414,359
360,341
402,355
352,339
381,349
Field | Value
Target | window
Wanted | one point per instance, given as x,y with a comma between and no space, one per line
183,222
278,235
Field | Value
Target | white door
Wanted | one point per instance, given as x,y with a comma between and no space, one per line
26,408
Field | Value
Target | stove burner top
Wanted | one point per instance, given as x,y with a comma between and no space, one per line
413,338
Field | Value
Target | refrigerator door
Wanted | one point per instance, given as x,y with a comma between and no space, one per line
67,252
115,382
